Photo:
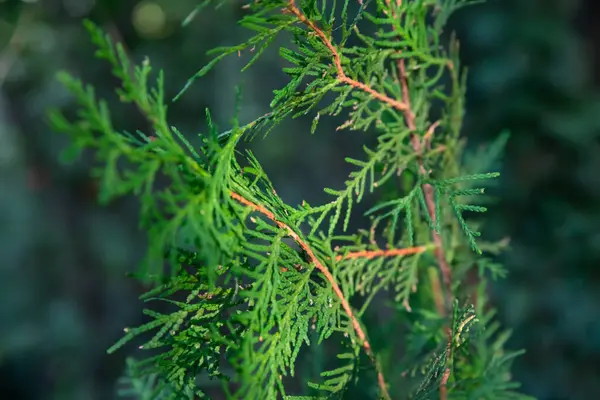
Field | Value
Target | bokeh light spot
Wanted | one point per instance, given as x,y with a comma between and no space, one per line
149,19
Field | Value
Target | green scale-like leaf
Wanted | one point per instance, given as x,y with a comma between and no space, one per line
255,282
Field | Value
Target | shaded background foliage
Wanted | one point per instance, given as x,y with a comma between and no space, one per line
64,295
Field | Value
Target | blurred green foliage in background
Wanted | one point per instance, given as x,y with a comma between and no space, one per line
64,292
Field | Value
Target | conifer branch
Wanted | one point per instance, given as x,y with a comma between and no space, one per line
402,106
437,239
418,146
281,303
428,191
337,60
330,279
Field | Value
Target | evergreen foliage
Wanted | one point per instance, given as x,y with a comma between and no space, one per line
246,302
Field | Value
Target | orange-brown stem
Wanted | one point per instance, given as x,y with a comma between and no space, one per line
330,279
382,253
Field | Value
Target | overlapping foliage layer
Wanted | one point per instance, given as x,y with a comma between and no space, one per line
254,281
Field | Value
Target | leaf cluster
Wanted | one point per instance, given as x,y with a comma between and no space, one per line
252,280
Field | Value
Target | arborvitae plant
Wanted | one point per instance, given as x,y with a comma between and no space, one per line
255,282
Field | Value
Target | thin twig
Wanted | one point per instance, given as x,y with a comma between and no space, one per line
446,374
369,254
330,279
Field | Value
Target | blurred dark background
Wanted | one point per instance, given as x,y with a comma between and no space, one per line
64,297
